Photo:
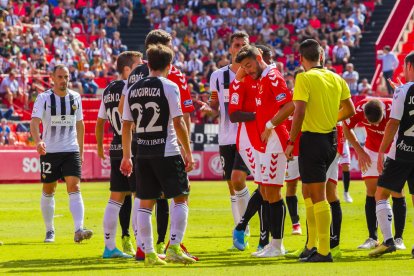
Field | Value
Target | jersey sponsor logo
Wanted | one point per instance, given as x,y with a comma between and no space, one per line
234,98
258,102
145,92
62,120
280,97
188,102
135,78
226,95
404,147
110,98
152,142
74,107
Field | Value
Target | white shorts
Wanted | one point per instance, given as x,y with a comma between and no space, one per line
345,158
273,168
251,158
372,171
292,171
332,173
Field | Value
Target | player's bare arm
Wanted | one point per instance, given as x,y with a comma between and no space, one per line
80,135
390,131
187,121
364,161
281,116
99,133
182,135
297,121
126,163
35,132
347,110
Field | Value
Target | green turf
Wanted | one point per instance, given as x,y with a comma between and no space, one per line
208,237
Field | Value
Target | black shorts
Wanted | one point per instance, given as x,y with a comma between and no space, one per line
55,166
118,181
316,153
161,176
395,174
231,160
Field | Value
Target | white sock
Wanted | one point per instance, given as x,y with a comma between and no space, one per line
172,205
110,223
77,209
145,230
277,243
242,199
47,205
235,210
384,217
179,219
135,206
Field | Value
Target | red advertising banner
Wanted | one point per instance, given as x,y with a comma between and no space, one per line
24,166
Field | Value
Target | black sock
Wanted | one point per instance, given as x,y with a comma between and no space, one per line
346,179
277,219
292,204
162,214
125,215
253,206
336,223
399,208
371,216
264,223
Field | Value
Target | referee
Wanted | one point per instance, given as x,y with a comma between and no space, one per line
321,98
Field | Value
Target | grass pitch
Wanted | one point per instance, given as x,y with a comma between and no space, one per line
208,237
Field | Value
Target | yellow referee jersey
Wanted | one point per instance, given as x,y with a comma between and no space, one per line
322,90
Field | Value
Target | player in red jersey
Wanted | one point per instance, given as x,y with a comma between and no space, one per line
242,109
274,105
373,114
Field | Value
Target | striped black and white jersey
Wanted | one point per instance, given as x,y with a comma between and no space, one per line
402,109
109,111
59,116
151,104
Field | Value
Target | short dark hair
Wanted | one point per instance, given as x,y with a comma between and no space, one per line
126,58
409,59
266,51
387,48
373,110
310,49
247,51
157,37
159,57
239,34
59,66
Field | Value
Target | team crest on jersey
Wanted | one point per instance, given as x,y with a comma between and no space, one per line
281,97
43,176
235,98
188,102
74,107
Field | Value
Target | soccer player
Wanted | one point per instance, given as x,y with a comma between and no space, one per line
399,166
345,161
61,149
274,105
317,110
120,186
162,211
242,110
153,106
374,114
235,170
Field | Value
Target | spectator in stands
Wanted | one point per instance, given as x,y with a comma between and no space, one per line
390,62
6,135
329,66
97,65
102,39
274,41
358,17
291,64
89,86
12,20
326,49
117,46
349,40
354,30
194,65
340,53
351,77
74,78
364,88
73,12
124,14
301,23
203,19
9,88
209,31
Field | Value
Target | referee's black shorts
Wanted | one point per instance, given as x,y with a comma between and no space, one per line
316,153
395,174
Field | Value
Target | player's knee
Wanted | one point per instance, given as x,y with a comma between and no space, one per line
291,188
180,199
397,195
382,194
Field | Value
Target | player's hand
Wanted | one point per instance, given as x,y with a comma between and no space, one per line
126,166
101,153
265,135
380,162
393,84
241,73
41,148
289,152
364,161
205,107
189,162
82,158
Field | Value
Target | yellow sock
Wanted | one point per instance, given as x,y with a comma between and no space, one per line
310,223
323,223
